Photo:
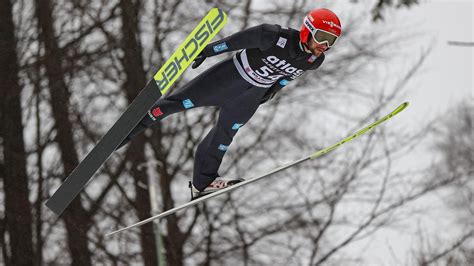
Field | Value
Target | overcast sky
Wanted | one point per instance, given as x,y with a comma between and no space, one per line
446,77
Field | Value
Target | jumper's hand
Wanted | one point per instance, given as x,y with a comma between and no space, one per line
272,91
268,97
198,61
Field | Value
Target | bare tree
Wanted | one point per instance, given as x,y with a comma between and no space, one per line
382,5
136,79
76,218
17,220
81,73
455,143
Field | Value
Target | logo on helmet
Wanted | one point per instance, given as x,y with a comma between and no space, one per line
331,24
309,26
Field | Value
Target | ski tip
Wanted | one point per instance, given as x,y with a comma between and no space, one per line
400,108
218,12
216,9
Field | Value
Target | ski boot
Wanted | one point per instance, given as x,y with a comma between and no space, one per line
218,184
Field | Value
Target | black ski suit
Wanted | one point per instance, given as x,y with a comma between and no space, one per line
272,56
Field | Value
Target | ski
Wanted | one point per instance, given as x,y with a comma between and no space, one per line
253,179
209,26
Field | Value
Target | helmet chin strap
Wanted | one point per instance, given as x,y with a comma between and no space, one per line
304,48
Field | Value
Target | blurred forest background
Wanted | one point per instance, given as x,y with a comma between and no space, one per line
68,69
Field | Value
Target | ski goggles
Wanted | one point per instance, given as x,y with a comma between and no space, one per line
320,36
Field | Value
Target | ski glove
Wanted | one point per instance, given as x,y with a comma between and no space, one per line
268,96
198,61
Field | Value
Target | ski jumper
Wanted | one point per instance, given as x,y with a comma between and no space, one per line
271,57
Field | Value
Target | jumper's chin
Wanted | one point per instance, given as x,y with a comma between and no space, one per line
316,53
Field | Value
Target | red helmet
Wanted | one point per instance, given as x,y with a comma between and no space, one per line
323,25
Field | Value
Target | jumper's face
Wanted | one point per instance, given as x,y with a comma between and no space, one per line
316,48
